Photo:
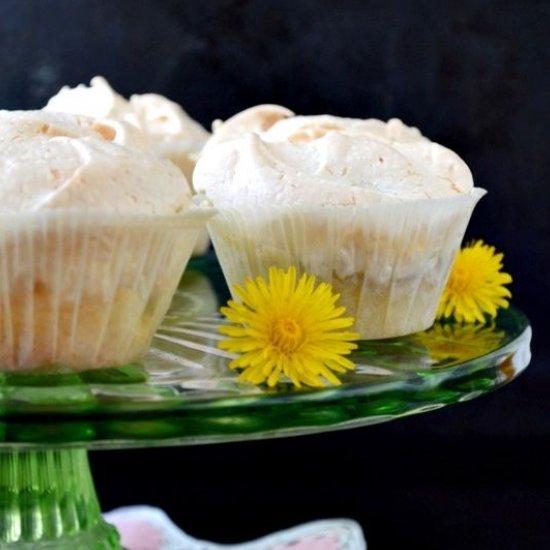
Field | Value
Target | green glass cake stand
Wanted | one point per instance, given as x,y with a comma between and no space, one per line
184,394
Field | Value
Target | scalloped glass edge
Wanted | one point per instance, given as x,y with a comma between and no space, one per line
184,393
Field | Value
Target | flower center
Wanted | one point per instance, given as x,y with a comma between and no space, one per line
286,335
461,280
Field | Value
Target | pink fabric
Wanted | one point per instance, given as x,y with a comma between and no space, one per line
148,528
139,534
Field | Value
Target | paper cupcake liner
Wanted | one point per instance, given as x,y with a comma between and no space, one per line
81,291
388,261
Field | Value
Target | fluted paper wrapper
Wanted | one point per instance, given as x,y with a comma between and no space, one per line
83,290
388,261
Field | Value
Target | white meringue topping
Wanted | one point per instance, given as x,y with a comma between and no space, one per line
267,156
62,161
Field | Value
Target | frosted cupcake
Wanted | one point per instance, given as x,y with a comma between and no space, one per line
167,129
373,208
94,237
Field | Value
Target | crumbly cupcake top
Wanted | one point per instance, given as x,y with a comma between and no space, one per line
265,155
170,131
62,161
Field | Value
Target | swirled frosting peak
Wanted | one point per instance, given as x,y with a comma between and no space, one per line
265,155
166,128
62,161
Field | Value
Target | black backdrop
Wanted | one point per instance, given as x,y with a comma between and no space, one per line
473,75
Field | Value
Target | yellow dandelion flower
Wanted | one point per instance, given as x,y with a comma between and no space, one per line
288,327
475,287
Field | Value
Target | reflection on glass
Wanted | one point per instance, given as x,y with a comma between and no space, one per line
449,343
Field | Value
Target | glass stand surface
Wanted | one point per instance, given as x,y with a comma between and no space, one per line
183,393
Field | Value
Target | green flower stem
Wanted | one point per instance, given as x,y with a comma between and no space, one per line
48,501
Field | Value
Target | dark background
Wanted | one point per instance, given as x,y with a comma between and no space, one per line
472,75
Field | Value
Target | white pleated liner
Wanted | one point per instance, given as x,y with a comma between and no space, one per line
87,290
389,262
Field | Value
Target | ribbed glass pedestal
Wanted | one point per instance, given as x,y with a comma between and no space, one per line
48,501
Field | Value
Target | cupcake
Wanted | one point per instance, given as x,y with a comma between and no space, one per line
167,129
373,208
94,237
